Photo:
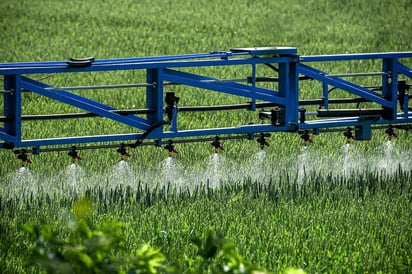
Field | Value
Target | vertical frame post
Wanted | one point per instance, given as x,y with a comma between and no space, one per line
253,102
390,86
154,98
288,88
325,87
12,107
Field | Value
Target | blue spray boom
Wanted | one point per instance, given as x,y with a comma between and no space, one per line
283,107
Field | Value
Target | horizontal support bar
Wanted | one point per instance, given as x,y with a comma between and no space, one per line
358,74
215,54
116,66
332,101
405,126
77,140
344,85
133,145
84,103
225,87
273,79
63,116
214,108
349,112
355,56
333,125
137,85
342,123
245,129
224,55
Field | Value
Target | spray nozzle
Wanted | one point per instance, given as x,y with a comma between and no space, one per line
306,137
390,132
262,140
170,147
348,134
74,154
216,144
123,152
23,157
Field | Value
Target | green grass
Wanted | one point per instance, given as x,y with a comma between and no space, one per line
327,222
44,30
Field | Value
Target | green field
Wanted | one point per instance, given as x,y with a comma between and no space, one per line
321,209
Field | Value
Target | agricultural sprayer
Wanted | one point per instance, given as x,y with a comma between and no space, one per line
271,88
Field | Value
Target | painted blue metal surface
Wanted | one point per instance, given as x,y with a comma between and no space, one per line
355,56
286,115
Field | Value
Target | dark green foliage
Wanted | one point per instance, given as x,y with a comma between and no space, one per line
218,255
89,249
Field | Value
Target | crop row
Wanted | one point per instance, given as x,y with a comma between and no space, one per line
326,223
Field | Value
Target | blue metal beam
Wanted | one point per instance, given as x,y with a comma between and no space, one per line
13,107
115,66
405,70
344,85
236,52
289,89
162,69
84,103
124,60
225,87
154,97
349,122
354,56
7,137
159,135
390,84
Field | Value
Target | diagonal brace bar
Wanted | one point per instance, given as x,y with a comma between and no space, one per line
226,87
84,103
405,70
344,85
7,137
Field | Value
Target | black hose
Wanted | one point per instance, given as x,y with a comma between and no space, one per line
148,131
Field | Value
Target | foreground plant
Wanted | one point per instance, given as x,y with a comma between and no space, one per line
218,255
89,249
